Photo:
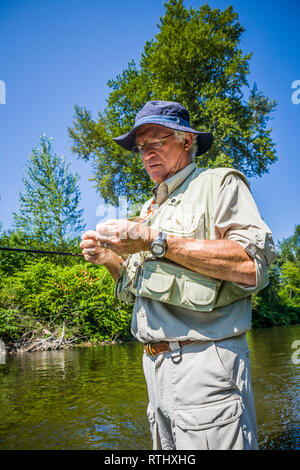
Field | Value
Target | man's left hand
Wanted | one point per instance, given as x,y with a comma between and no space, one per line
124,236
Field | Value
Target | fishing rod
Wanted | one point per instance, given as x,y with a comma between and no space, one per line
30,250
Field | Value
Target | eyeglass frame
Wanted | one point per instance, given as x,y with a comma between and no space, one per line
141,151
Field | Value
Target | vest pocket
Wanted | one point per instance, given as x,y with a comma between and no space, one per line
183,224
157,286
176,285
196,294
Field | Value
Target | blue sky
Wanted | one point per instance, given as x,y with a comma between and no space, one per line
57,53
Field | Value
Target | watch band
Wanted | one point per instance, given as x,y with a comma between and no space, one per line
162,236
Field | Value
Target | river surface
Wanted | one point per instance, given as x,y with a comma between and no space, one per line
96,397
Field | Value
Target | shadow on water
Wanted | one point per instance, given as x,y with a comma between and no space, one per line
96,397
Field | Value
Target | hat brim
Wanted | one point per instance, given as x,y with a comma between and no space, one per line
204,139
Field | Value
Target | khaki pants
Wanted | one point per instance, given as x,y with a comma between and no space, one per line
201,397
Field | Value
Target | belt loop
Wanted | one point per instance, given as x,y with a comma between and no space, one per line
175,351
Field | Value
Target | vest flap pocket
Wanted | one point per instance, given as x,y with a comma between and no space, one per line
209,415
156,285
174,284
159,282
182,223
201,294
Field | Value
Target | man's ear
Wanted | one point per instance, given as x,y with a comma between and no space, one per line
188,141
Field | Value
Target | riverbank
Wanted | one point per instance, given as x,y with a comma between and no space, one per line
53,342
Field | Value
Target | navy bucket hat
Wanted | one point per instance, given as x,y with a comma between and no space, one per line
168,114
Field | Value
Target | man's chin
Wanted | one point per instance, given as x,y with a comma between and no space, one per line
157,174
157,179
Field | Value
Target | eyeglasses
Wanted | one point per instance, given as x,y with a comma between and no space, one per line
150,144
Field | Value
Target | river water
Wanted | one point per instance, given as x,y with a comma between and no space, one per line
96,397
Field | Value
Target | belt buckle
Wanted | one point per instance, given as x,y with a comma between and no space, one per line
148,348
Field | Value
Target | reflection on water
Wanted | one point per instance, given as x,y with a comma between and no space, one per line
276,384
96,398
90,398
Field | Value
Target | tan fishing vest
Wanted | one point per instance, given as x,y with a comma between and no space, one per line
188,213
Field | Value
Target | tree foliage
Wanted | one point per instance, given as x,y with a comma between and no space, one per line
44,296
290,269
49,213
279,302
11,262
194,59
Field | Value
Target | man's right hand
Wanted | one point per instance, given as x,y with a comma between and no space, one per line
100,255
91,249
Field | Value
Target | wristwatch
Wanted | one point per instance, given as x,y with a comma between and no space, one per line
158,247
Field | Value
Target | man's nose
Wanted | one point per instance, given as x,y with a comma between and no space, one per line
148,154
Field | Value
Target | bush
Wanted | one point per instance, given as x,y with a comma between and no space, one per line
47,295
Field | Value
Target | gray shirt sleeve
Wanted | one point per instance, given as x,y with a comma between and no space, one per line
237,218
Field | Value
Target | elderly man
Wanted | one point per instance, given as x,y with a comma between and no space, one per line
197,254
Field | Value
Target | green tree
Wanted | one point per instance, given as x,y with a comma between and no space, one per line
46,296
279,302
49,213
194,59
290,290
290,248
10,261
289,262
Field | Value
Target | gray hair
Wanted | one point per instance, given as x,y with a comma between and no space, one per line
180,136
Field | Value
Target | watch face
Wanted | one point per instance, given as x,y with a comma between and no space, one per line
159,246
157,249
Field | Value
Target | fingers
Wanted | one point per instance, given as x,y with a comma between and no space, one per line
89,240
108,235
111,226
90,246
118,235
95,255
107,229
89,243
89,234
93,250
90,250
115,230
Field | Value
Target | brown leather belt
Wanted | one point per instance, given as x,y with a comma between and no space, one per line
153,349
